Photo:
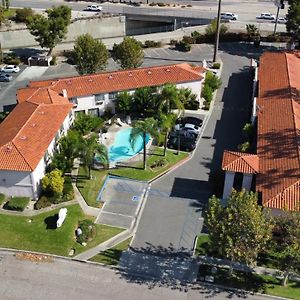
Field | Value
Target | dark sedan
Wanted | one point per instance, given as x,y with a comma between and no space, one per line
183,143
5,77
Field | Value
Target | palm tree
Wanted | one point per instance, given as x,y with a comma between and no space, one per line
141,128
90,147
169,98
165,123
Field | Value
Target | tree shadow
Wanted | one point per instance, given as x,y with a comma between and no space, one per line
51,221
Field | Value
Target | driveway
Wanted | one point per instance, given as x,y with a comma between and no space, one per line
171,219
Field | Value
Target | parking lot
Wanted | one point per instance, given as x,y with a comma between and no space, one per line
122,199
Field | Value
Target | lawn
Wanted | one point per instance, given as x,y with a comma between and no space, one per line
89,188
254,283
39,234
112,256
136,172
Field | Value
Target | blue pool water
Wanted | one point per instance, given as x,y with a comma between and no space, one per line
121,149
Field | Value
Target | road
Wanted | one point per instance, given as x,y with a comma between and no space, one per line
66,279
246,10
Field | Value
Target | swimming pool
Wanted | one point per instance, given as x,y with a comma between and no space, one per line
121,149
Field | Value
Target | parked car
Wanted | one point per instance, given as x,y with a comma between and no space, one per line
188,127
5,77
93,7
229,16
10,69
190,120
266,16
184,143
280,20
183,134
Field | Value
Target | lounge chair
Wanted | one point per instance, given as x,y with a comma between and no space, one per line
119,122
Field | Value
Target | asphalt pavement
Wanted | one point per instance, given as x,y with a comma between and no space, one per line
65,279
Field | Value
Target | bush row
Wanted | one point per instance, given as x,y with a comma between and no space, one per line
211,84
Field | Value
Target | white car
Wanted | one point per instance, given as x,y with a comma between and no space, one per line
280,20
229,16
93,7
10,69
188,127
266,16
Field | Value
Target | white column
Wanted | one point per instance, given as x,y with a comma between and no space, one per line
228,184
247,181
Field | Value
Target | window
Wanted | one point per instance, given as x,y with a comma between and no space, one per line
74,101
94,112
112,96
99,99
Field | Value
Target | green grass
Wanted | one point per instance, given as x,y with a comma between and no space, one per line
253,282
202,247
9,13
17,203
16,232
112,256
138,173
89,188
2,198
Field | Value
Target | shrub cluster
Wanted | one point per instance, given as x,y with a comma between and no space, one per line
2,198
183,46
22,14
11,59
152,44
88,229
17,203
211,83
43,202
158,163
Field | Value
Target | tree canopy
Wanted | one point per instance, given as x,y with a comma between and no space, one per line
128,53
50,30
53,182
240,230
90,55
293,18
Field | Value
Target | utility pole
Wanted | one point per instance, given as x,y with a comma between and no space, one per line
217,33
276,21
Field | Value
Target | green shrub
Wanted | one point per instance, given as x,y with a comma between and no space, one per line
189,5
17,203
244,147
152,44
11,59
152,4
192,104
158,163
2,198
182,46
273,38
22,14
213,81
207,92
161,4
43,202
188,39
53,61
216,66
88,231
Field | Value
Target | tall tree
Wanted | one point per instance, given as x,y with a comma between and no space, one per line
50,30
289,243
166,123
293,18
90,55
140,129
129,53
145,102
169,99
240,230
124,102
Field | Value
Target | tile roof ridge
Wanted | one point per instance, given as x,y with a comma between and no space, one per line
30,167
34,93
281,193
246,160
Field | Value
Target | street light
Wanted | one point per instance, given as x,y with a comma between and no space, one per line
217,33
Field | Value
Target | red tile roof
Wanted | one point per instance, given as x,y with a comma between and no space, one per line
278,130
27,132
240,162
122,80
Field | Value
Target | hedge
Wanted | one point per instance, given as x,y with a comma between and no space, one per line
43,202
17,203
2,198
